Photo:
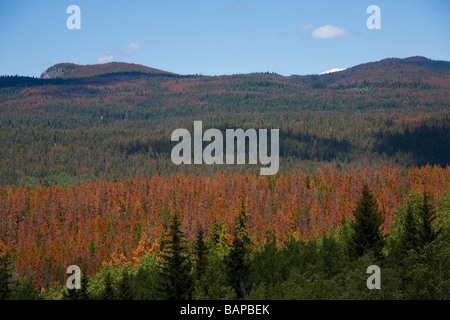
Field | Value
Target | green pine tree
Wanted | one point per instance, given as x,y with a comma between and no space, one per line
200,253
70,294
162,240
238,260
410,237
4,278
214,233
78,294
25,289
218,235
175,267
125,291
367,235
108,292
427,233
83,292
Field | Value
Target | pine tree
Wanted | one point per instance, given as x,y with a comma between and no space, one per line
125,291
83,292
162,240
108,292
4,278
218,235
70,294
238,260
427,216
78,294
410,237
214,233
25,289
200,253
367,235
175,266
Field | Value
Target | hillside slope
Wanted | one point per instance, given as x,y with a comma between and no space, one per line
71,70
392,112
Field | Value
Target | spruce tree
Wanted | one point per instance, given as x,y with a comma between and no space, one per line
175,266
409,241
367,235
4,278
125,291
427,233
218,235
70,294
214,233
410,237
238,260
162,240
83,292
108,292
78,294
200,253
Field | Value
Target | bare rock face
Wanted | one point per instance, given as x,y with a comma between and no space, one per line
58,71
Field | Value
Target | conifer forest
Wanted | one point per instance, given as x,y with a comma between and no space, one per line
86,180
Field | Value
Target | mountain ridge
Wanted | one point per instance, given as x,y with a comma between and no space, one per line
73,71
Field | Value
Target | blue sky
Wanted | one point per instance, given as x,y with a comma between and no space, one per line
215,37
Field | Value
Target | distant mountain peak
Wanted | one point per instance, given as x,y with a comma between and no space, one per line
71,70
414,60
417,59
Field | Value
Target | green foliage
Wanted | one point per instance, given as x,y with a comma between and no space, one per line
77,294
201,251
30,181
443,215
175,265
145,278
218,235
238,260
398,226
267,265
109,292
426,229
418,251
5,291
333,256
125,288
24,289
213,283
102,285
367,234
410,238
428,272
84,290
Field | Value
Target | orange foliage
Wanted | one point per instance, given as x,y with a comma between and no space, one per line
50,228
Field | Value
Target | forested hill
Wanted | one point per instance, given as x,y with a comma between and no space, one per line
115,119
71,70
394,70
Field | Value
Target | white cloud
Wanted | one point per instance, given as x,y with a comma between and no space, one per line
328,32
332,70
131,49
306,26
105,59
